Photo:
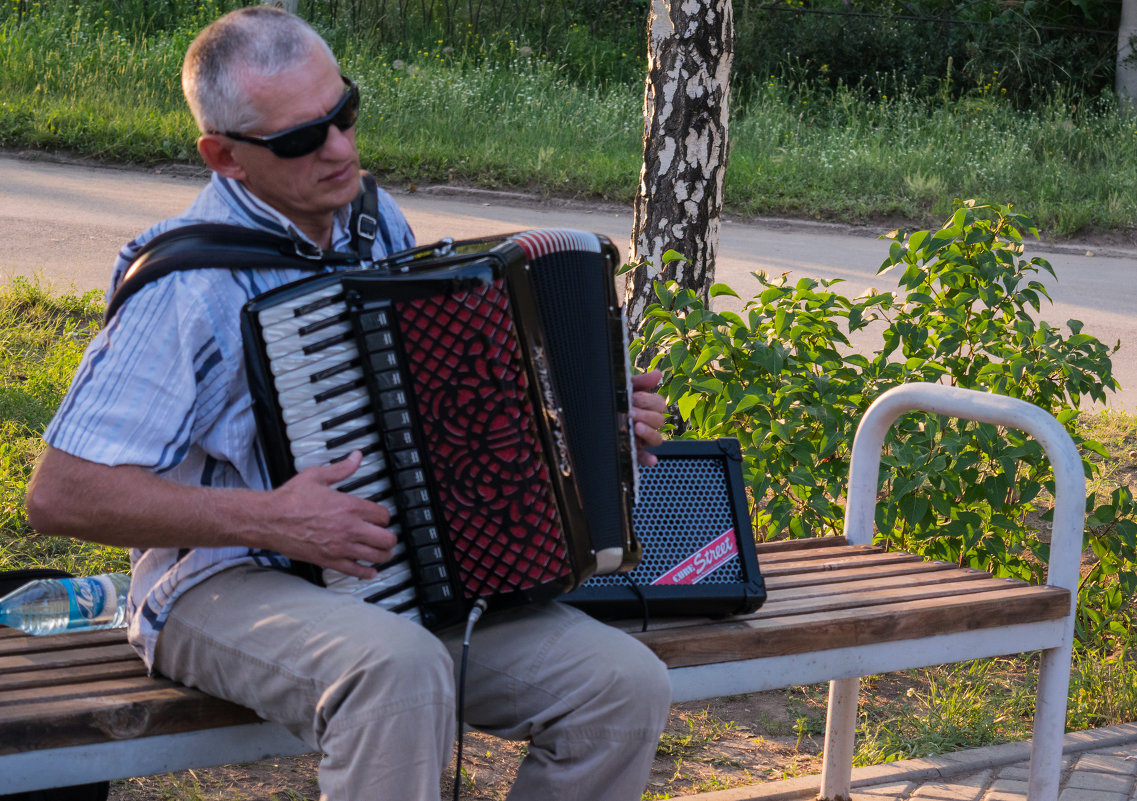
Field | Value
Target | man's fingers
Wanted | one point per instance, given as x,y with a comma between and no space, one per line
369,554
328,474
376,542
649,408
368,511
648,413
645,382
357,569
358,546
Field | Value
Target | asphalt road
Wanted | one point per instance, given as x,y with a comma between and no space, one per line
65,223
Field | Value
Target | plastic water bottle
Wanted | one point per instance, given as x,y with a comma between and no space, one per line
52,606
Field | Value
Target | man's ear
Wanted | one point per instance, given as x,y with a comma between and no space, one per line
217,152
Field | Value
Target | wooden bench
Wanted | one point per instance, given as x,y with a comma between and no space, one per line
78,707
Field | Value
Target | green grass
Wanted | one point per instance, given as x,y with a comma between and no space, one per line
518,123
42,336
500,115
949,708
939,710
834,155
1116,430
702,730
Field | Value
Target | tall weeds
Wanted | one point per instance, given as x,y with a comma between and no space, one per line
42,336
835,154
496,112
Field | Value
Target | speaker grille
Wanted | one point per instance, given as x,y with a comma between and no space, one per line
684,505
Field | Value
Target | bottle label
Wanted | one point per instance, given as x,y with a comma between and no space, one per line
88,599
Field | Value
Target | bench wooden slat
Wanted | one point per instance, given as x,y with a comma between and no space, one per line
69,657
869,580
811,555
804,544
831,590
77,674
842,598
160,709
784,582
839,561
15,641
106,686
751,638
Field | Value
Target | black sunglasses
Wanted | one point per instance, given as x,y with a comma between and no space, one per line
309,137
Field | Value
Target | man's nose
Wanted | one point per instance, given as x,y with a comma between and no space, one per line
339,143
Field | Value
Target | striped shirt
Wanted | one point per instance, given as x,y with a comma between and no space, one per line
163,387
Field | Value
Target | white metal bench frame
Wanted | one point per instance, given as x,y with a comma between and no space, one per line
842,667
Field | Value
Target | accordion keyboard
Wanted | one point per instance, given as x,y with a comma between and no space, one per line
318,370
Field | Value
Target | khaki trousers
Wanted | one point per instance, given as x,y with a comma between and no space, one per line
376,693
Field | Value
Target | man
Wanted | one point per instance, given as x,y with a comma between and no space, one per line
155,448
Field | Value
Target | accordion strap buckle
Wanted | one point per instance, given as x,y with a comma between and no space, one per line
366,227
306,250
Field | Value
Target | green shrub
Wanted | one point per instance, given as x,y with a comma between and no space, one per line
783,378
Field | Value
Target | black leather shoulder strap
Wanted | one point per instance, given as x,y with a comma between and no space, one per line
218,245
215,246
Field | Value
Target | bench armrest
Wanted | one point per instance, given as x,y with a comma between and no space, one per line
983,407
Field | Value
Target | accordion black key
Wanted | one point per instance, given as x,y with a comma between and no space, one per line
438,368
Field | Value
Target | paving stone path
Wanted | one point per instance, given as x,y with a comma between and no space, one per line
1099,765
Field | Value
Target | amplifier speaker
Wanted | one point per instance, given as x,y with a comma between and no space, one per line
698,546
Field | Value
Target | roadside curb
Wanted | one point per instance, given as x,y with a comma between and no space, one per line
919,771
515,198
505,197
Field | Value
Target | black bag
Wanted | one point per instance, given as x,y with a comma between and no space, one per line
98,791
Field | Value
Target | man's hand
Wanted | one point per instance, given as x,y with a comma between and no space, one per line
321,525
648,413
128,506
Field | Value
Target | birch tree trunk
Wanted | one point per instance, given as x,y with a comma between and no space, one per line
686,101
1126,76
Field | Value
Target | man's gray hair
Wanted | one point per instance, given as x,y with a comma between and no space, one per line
257,41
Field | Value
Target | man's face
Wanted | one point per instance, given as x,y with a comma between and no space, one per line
310,188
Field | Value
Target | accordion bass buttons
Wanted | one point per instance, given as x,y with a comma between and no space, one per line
424,536
383,361
438,593
412,498
373,319
431,555
419,517
406,458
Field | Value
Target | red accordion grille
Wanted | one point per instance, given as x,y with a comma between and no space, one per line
478,427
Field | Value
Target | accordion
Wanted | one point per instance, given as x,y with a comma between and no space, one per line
486,384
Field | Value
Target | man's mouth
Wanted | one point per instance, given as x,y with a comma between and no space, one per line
339,175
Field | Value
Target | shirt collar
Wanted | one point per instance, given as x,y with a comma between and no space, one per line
255,213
